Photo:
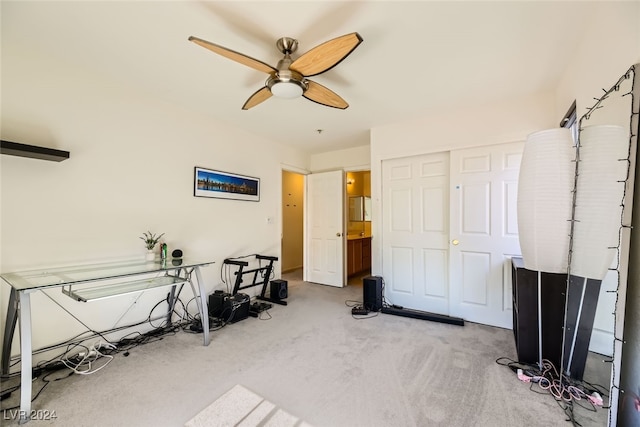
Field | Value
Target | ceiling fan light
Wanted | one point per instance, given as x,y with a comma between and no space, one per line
288,89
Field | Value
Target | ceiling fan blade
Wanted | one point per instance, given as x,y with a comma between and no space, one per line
326,56
320,94
259,96
235,56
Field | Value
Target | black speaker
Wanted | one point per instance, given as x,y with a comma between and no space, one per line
278,290
217,302
227,307
239,306
372,293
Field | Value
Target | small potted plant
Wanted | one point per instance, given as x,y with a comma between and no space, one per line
150,241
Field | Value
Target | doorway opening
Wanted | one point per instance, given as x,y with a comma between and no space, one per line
358,193
292,245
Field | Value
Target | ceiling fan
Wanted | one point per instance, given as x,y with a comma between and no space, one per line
289,78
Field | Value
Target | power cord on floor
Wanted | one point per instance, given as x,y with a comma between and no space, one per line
566,391
359,311
7,411
85,363
261,316
353,303
78,358
364,316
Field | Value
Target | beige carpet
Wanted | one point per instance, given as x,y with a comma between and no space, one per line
243,408
314,361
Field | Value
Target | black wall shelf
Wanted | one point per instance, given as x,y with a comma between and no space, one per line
32,151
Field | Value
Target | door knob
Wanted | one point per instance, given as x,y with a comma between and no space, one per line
455,242
338,234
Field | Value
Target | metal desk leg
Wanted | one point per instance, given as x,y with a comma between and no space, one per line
25,356
9,330
201,299
172,303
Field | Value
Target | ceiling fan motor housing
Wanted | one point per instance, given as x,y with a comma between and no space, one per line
286,83
287,45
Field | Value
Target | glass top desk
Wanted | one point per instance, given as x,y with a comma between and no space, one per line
83,283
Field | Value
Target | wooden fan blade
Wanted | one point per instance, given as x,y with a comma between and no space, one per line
320,94
235,56
259,96
326,56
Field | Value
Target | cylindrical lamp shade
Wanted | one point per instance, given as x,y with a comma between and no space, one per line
600,187
545,186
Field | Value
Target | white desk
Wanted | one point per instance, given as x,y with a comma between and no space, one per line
82,283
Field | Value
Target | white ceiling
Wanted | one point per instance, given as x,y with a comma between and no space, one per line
416,56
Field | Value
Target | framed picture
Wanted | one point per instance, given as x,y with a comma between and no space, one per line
225,185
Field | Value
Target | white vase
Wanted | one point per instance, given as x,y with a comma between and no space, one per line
151,255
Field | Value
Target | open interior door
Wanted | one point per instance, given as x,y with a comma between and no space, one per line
324,237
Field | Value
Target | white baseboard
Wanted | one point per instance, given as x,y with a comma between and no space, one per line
601,342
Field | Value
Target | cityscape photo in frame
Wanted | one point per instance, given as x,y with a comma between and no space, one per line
225,185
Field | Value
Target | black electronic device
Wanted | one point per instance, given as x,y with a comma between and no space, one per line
177,253
258,307
372,293
227,307
359,311
216,303
372,290
240,305
278,290
423,315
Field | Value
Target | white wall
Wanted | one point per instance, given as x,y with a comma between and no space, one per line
506,121
357,158
610,47
475,125
131,170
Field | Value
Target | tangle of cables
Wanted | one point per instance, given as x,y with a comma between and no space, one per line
86,363
566,391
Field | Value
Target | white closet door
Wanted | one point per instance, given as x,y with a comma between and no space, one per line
484,232
415,226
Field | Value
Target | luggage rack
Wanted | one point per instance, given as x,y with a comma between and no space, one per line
261,276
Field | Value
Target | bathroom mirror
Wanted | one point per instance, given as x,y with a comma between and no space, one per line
356,208
358,201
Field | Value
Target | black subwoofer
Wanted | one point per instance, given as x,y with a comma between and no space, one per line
279,290
372,293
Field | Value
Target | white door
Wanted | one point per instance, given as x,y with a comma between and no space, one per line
325,224
415,226
484,232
